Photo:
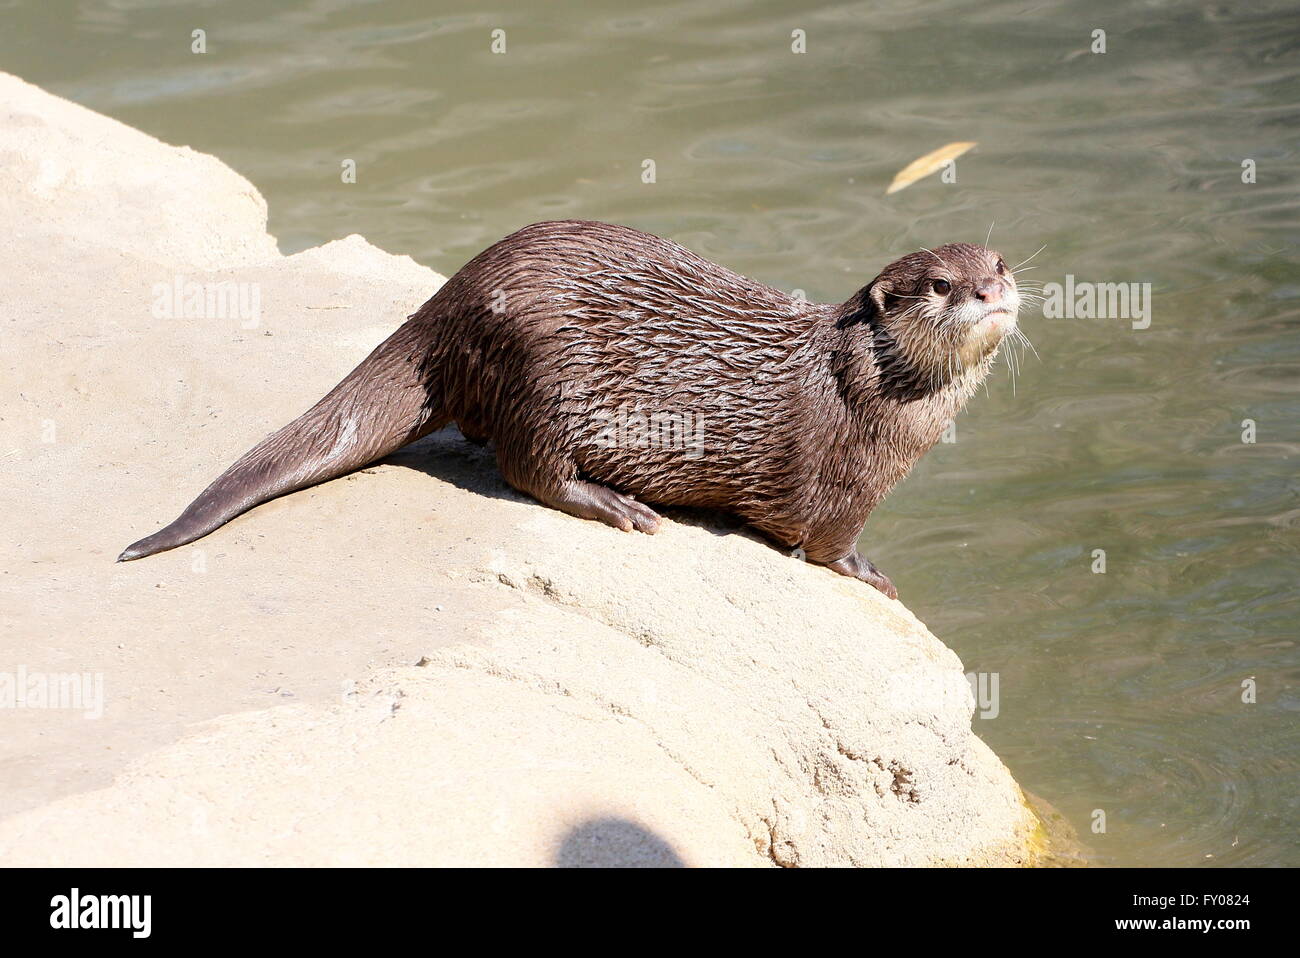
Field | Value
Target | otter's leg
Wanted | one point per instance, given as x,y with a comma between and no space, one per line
589,500
528,462
472,434
825,545
586,500
858,566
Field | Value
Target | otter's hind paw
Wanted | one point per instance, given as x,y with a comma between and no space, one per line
859,567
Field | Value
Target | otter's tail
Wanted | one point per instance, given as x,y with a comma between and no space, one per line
383,404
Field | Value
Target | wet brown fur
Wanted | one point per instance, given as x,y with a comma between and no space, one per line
810,413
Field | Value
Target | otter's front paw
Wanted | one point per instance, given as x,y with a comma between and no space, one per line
860,567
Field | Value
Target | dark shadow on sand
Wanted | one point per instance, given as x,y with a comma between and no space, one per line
450,457
615,843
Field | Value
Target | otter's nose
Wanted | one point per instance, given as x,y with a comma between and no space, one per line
989,291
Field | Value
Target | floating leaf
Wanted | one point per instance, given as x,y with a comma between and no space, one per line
926,165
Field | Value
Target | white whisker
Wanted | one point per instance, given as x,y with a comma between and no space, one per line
1026,260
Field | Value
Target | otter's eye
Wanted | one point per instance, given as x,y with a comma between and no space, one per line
1002,268
942,287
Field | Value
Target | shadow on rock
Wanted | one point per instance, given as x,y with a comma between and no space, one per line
615,843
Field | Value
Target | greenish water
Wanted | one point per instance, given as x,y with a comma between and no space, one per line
1119,691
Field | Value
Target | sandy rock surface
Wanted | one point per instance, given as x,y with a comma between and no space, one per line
413,664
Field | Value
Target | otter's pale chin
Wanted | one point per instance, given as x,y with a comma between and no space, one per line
984,335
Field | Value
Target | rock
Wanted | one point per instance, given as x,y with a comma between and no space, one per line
69,171
580,696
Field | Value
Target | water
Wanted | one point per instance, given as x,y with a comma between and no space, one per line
1120,692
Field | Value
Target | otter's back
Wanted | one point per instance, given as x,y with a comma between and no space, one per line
656,368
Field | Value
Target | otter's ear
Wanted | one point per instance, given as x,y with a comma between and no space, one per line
878,294
868,303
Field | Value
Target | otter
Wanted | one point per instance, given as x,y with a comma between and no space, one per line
809,413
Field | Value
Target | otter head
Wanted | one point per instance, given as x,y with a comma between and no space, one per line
944,311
